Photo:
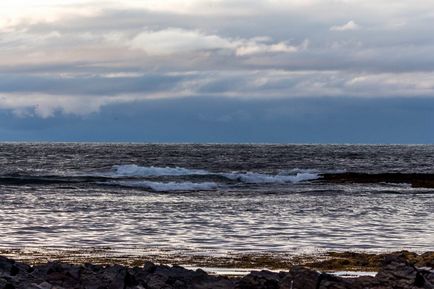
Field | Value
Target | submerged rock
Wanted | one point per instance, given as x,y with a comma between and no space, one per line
397,272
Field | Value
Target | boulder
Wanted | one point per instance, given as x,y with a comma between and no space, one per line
397,272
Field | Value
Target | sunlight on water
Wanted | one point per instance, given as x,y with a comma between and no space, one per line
230,215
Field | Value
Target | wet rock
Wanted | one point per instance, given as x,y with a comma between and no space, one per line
44,285
304,278
5,265
9,267
327,281
426,260
149,267
177,277
158,281
397,271
260,280
116,276
5,284
214,284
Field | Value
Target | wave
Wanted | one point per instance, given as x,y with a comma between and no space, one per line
291,176
135,176
167,187
173,178
139,171
257,178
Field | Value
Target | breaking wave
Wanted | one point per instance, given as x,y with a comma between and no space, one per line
178,178
139,171
256,178
162,178
292,176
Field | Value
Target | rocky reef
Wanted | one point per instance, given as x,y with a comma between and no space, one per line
396,271
414,179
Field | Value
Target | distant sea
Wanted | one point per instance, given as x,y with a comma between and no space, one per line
215,199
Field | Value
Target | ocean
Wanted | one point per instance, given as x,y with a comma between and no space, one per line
216,199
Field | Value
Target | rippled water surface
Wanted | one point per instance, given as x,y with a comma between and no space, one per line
212,198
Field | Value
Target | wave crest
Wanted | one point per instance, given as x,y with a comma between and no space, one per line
291,176
257,178
139,171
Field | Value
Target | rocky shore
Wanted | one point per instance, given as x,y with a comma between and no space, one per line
396,271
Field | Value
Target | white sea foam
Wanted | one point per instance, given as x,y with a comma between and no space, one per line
256,178
139,171
297,171
169,186
289,176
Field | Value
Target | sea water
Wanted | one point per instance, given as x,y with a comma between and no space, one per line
213,199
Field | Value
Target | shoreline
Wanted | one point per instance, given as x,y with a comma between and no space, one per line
328,261
397,271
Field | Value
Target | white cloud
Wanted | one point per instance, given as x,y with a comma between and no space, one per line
396,84
350,25
231,84
252,47
238,48
47,105
22,13
176,41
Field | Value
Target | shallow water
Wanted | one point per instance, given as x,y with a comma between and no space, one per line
212,199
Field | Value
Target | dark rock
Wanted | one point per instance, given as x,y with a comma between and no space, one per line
5,263
5,284
304,278
116,276
260,280
149,267
157,281
130,280
327,281
398,271
10,267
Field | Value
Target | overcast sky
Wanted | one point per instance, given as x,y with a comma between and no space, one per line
217,70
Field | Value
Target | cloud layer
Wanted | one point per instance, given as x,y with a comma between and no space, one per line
80,56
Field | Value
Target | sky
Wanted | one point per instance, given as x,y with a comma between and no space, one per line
281,71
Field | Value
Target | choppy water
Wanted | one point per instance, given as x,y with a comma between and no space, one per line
212,198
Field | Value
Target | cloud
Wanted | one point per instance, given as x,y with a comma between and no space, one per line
350,25
78,95
49,105
46,106
302,120
91,84
176,41
253,47
60,58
